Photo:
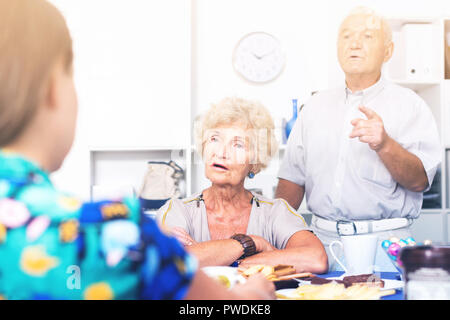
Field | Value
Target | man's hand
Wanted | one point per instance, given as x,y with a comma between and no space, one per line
370,131
405,167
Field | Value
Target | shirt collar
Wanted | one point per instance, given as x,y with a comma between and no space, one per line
15,167
368,93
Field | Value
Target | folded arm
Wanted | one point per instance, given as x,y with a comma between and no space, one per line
217,252
304,251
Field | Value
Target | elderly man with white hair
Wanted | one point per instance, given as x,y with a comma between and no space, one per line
363,153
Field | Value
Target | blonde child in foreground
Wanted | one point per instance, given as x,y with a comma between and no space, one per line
52,245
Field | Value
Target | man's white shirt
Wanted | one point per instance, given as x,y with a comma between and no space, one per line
344,178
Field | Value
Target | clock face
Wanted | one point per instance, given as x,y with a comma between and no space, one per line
258,57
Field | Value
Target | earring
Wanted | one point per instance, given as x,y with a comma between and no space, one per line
251,175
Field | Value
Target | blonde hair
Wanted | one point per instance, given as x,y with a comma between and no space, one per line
250,115
377,21
33,36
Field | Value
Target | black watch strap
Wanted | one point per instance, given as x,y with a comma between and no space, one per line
247,243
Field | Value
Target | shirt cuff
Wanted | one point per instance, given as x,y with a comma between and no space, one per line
430,165
286,175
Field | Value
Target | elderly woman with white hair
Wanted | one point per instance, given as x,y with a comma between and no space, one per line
226,222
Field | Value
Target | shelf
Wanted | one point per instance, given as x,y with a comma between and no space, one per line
431,211
397,23
416,85
115,171
281,147
137,148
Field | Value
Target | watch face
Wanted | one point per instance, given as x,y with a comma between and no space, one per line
258,57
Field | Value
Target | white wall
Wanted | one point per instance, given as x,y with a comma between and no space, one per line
219,25
132,73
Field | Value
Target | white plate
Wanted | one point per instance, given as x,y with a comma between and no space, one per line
289,294
230,273
389,284
286,292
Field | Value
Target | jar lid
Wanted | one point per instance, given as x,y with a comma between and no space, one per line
426,256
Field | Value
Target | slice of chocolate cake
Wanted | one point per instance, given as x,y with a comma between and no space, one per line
319,280
370,280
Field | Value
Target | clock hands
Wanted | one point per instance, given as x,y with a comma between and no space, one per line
256,56
259,57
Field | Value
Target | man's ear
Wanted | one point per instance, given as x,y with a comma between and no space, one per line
388,51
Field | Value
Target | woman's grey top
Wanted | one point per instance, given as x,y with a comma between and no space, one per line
273,219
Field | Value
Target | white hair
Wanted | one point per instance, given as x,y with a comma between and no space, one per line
251,115
376,20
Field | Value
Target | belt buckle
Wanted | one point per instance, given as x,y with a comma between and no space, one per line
345,222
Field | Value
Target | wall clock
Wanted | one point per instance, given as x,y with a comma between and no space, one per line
258,57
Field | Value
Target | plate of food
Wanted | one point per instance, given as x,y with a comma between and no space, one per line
228,276
333,291
371,280
273,273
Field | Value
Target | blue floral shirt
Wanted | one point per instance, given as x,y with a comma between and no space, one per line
53,246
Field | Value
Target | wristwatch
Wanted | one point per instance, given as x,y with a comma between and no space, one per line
247,243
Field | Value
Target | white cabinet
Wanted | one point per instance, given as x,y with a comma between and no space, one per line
428,227
415,56
419,63
121,171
